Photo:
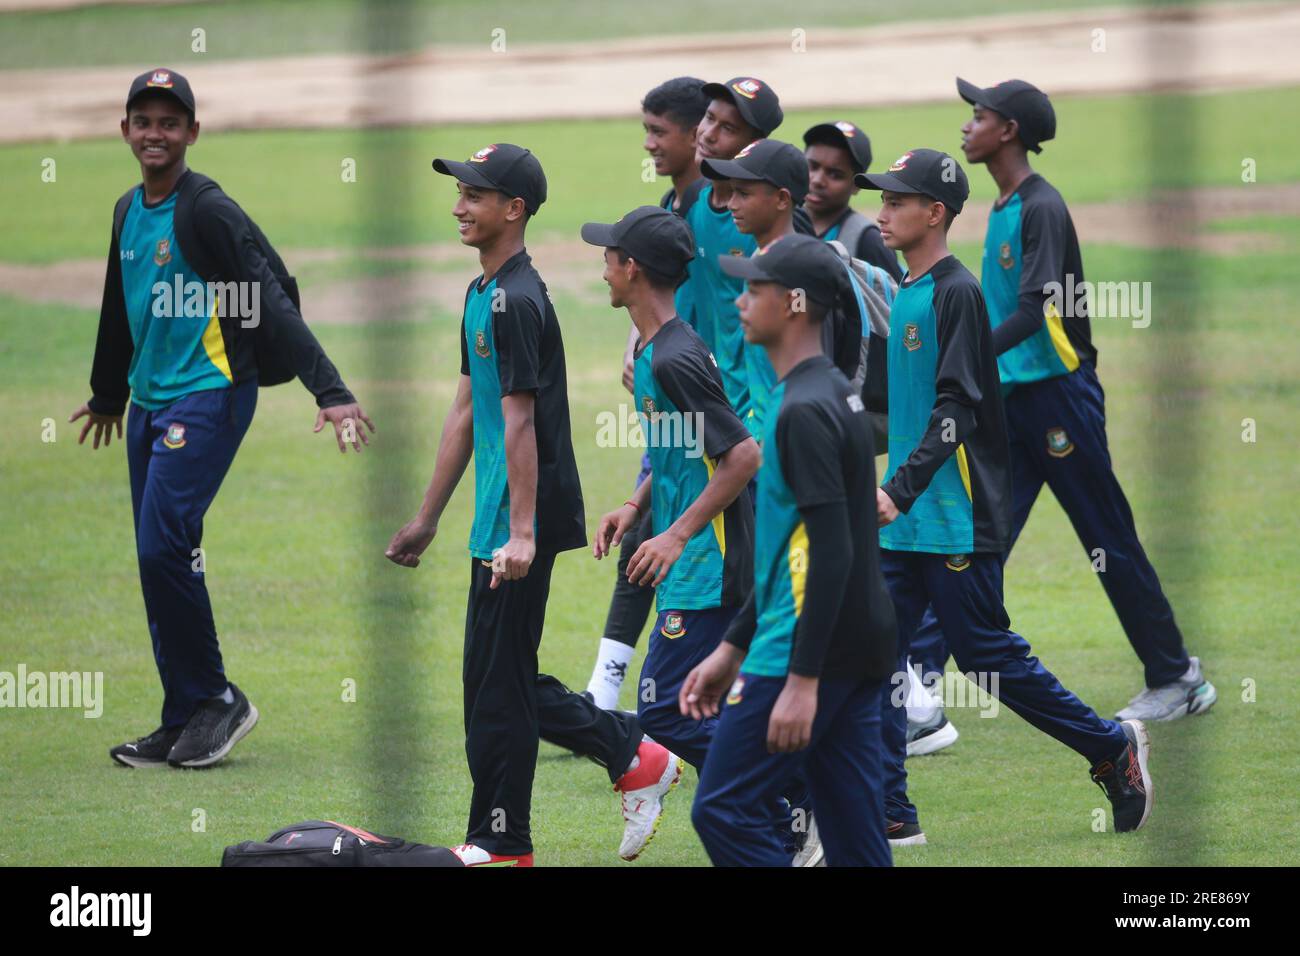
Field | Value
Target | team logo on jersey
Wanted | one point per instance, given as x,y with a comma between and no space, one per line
1058,443
480,344
748,88
957,562
911,337
648,406
674,627
848,129
175,437
748,149
900,163
737,689
1005,259
163,254
160,78
482,155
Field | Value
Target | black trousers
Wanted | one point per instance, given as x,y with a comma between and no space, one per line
630,606
509,706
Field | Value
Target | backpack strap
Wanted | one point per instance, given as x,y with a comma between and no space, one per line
852,227
120,211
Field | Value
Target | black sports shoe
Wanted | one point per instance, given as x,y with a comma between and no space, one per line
1126,780
215,727
150,751
904,834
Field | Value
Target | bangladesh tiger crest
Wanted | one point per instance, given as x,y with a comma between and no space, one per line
482,155
957,562
911,337
160,78
748,88
163,254
900,163
648,406
674,627
175,437
1005,259
480,344
1058,443
748,149
737,690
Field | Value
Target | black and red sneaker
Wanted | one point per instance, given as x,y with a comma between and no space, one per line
904,834
1126,779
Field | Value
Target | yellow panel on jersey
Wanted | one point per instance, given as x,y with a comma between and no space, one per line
964,468
1064,348
214,343
798,558
719,520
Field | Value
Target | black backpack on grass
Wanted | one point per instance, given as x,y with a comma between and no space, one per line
326,843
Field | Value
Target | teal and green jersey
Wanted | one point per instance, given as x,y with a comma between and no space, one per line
949,466
688,425
178,345
817,458
712,294
1031,267
510,342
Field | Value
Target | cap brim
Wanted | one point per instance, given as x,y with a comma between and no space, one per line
883,181
717,91
727,169
599,234
972,94
744,267
465,173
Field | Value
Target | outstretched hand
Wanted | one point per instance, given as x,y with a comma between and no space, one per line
346,420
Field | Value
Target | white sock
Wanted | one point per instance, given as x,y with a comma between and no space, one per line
229,696
607,676
921,705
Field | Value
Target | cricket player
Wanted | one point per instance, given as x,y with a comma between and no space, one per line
190,372
670,114
699,552
813,642
1055,407
768,180
836,152
945,505
511,414
740,111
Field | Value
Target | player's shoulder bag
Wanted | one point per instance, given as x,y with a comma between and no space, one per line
272,369
326,843
852,228
873,291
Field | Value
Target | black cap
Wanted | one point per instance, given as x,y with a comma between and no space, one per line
164,81
504,167
795,261
924,171
764,160
757,102
845,135
653,236
1020,101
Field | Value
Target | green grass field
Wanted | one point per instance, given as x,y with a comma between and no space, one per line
255,28
305,600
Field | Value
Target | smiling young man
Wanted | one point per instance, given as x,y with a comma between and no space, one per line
511,415
945,505
1055,406
768,179
835,153
740,111
190,373
806,656
670,114
699,556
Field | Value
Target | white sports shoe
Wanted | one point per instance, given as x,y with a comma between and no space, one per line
643,791
812,853
1190,694
933,735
